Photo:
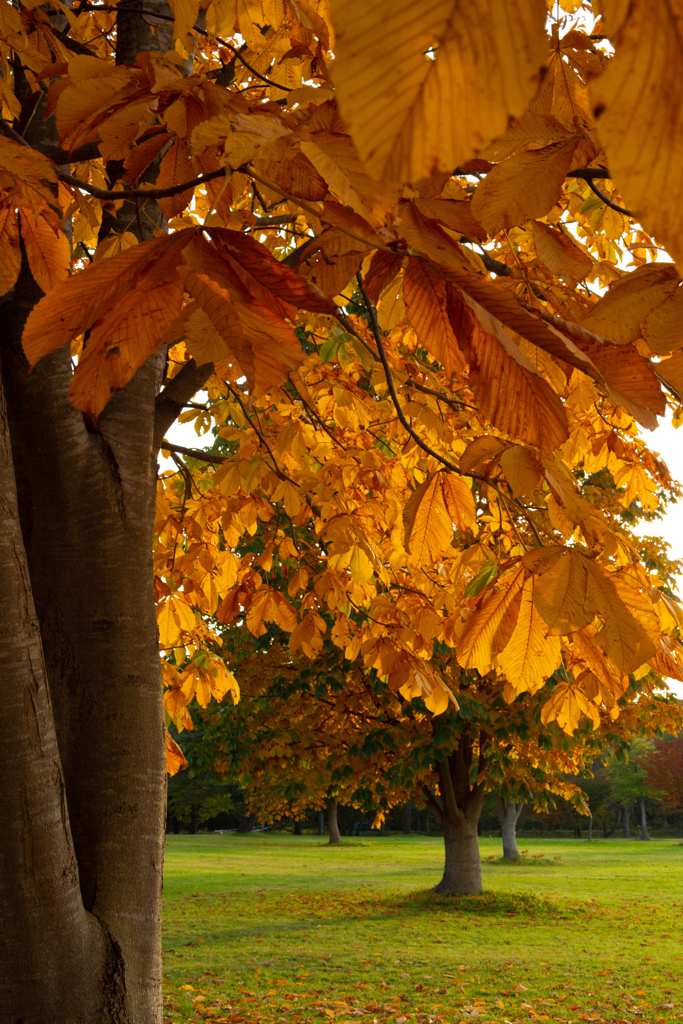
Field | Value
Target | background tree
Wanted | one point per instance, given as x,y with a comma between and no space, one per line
663,765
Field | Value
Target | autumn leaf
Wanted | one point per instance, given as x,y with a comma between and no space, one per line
427,522
423,96
523,187
638,105
560,253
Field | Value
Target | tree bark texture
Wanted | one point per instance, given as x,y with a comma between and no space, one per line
86,502
460,807
80,891
509,815
333,826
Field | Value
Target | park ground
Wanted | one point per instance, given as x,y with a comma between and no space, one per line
281,929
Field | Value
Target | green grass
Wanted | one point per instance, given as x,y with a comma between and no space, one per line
264,929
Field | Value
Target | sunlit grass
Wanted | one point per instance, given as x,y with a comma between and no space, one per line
275,928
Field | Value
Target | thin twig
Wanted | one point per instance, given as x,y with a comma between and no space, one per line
377,334
606,200
280,472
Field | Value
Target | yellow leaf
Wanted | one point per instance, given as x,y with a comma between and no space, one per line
360,565
173,618
639,105
412,113
664,325
427,522
48,252
566,706
530,656
459,501
671,371
560,253
560,594
185,13
306,637
478,640
620,314
269,606
28,167
525,186
114,244
521,468
437,701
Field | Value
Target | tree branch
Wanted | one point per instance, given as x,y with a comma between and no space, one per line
177,393
193,453
138,193
377,334
587,174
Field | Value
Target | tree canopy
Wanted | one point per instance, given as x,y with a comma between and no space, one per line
424,260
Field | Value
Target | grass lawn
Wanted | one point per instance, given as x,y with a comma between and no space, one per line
269,928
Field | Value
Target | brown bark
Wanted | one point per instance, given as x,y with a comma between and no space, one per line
53,952
459,808
87,506
333,826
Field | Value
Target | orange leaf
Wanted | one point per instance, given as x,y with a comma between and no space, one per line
49,256
10,249
74,306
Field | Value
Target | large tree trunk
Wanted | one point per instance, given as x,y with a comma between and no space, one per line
335,836
460,807
87,510
509,815
82,930
462,866
53,952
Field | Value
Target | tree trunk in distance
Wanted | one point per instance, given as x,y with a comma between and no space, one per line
407,820
614,826
321,822
590,829
428,829
247,824
509,815
335,837
665,823
626,814
297,828
643,820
